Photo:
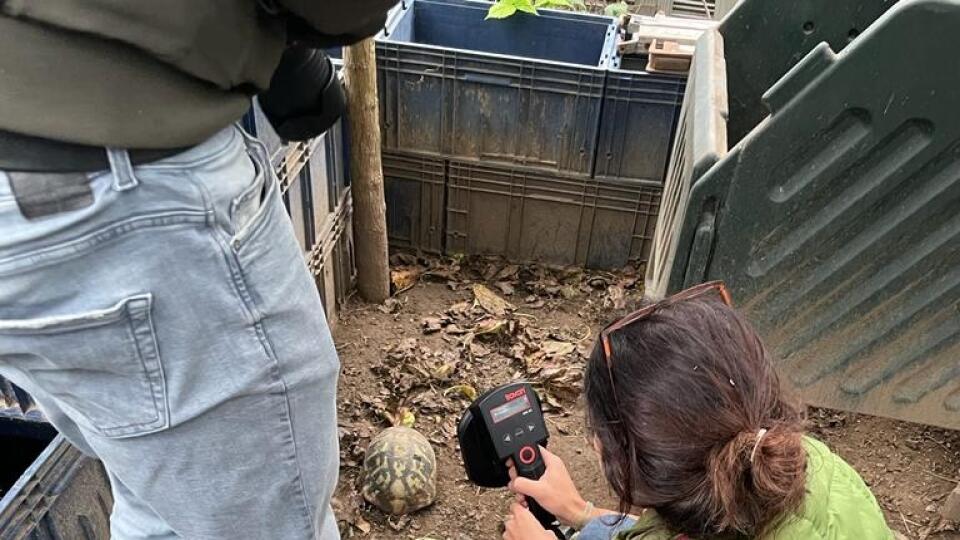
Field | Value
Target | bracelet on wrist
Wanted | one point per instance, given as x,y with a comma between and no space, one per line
585,516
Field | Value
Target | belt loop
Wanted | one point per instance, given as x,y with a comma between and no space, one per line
258,151
255,144
124,177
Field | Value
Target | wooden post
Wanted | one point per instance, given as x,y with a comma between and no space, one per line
366,170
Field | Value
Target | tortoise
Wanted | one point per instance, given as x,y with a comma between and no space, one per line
400,471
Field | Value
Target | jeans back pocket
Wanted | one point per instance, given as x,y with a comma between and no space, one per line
102,367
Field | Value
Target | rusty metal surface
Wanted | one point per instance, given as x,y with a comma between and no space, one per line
836,221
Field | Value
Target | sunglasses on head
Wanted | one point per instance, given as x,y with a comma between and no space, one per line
704,290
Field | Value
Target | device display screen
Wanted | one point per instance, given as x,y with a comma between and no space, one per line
510,408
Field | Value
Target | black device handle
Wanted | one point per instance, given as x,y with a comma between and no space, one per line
529,463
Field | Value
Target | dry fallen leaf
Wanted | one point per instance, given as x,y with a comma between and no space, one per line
551,402
403,259
402,417
616,297
599,282
569,292
361,524
533,363
508,272
478,350
464,390
460,309
490,302
444,371
490,327
454,330
390,306
400,524
553,348
432,325
405,278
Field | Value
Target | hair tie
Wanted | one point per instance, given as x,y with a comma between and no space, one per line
760,435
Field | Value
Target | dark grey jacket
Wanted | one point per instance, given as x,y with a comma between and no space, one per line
150,73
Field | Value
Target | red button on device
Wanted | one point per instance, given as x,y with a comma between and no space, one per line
527,455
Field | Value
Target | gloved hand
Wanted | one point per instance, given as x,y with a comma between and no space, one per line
305,97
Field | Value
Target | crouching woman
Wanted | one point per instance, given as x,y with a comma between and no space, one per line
697,441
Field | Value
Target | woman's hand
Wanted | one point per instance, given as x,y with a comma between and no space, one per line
521,525
554,490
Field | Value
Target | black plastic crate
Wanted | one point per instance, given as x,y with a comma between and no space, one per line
640,115
526,90
415,187
525,214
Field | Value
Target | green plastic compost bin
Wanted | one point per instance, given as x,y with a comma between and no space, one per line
817,171
48,489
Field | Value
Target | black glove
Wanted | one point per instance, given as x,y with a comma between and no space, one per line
312,23
299,32
305,97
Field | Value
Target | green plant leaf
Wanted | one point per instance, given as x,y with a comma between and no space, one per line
525,6
502,9
617,10
563,4
569,5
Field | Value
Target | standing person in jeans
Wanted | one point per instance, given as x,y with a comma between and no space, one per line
153,298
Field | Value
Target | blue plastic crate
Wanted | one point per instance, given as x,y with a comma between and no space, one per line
529,215
640,115
526,90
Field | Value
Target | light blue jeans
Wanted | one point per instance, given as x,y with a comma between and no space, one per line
171,329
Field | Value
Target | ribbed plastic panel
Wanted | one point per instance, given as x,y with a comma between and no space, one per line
835,220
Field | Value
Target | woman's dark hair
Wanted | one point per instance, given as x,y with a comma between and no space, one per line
693,389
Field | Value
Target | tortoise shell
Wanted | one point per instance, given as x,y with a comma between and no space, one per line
400,471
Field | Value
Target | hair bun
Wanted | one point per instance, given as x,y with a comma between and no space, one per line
758,474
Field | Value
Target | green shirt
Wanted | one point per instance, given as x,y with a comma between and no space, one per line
838,506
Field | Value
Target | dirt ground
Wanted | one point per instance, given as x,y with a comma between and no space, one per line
421,357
